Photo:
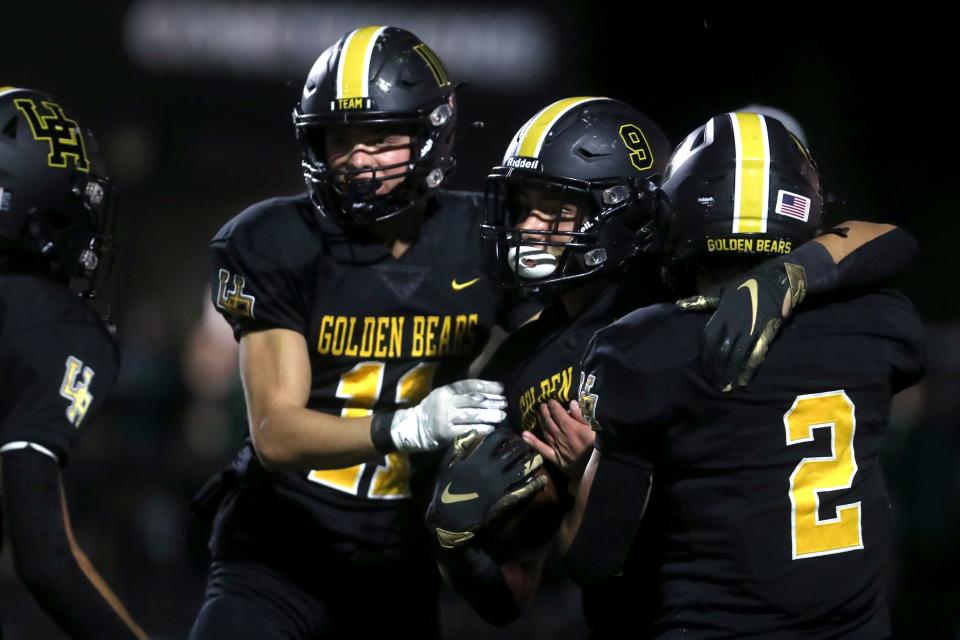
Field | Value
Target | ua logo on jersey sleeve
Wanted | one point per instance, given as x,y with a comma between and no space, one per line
235,302
76,389
588,400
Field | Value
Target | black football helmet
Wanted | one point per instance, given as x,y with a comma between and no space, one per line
57,207
598,154
740,187
376,76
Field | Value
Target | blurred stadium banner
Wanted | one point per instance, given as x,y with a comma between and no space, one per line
514,48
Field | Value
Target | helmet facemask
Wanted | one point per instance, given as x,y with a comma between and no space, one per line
96,260
585,230
79,247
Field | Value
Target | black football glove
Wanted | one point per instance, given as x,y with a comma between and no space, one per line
482,478
748,313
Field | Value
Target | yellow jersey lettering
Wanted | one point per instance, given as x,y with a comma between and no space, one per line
323,342
567,377
470,337
367,337
382,326
396,337
444,348
351,349
339,335
419,325
430,339
459,331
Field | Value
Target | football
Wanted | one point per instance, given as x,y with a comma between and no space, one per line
527,526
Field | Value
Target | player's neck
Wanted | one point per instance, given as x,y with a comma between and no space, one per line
399,233
399,247
575,300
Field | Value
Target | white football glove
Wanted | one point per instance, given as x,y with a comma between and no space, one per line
446,413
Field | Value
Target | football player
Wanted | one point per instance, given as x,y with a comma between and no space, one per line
59,356
570,220
569,209
350,302
773,507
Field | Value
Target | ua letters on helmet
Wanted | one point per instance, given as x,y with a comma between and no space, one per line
741,185
596,154
56,204
376,76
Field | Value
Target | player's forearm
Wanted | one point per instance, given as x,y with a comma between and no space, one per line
523,578
85,566
595,538
287,437
105,592
48,561
884,253
571,522
479,580
855,235
66,593
856,255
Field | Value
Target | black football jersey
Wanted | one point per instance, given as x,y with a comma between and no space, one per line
381,331
58,360
776,516
540,362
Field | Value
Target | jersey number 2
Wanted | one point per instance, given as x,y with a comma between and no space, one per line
810,535
361,387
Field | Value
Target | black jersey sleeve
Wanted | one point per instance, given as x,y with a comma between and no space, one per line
258,262
617,391
612,514
252,291
59,377
43,552
878,261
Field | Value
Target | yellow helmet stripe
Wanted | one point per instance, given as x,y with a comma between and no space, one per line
753,173
433,62
9,89
353,72
535,131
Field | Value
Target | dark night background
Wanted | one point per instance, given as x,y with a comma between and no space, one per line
191,102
